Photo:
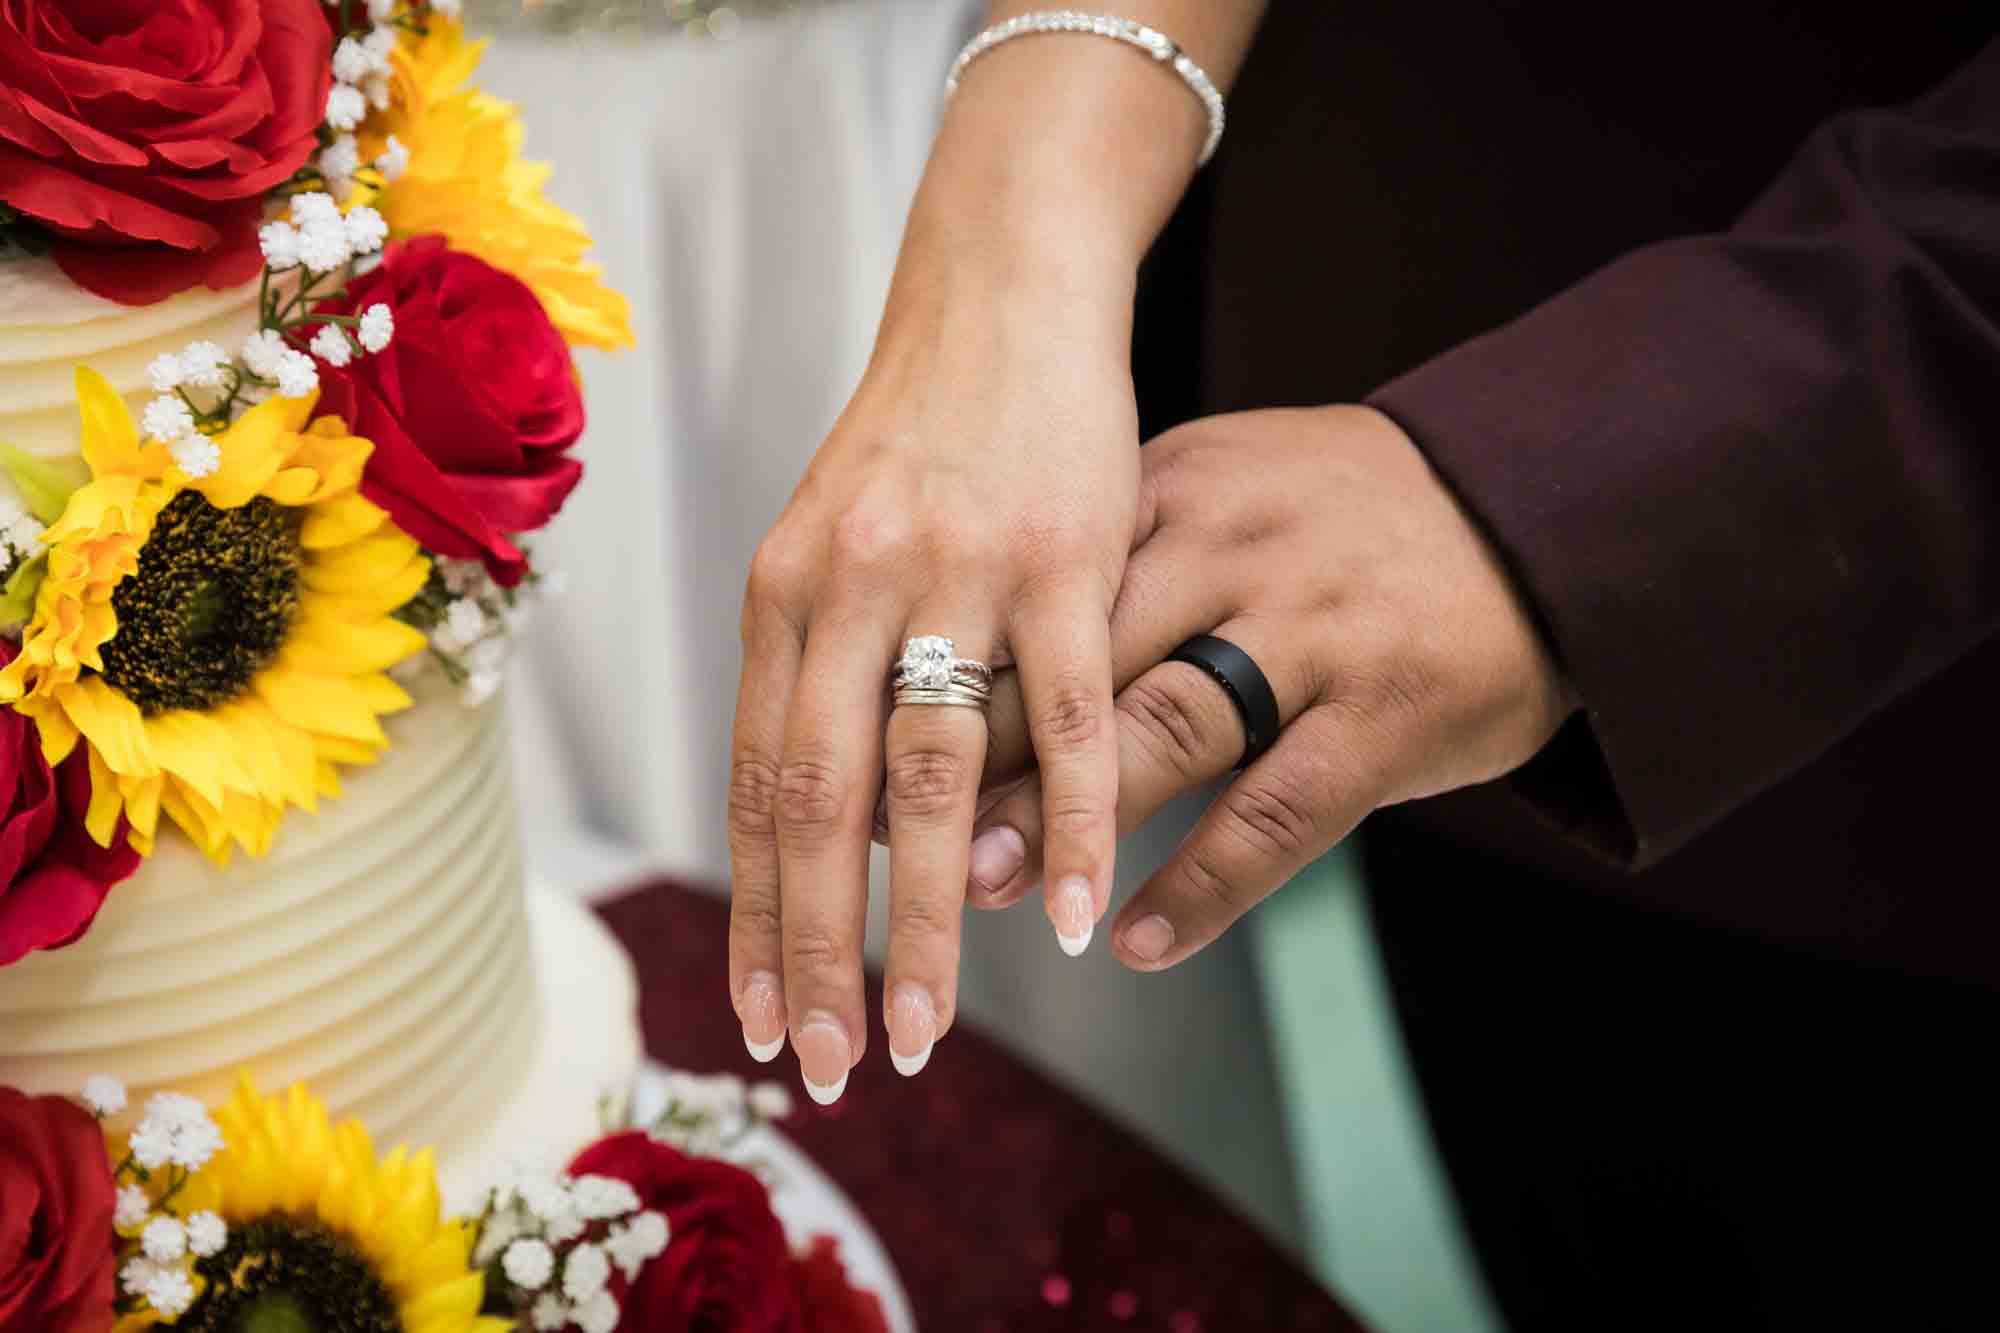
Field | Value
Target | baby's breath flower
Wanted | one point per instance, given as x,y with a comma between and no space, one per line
323,246
103,1094
498,1233
297,375
464,625
366,231
378,93
585,1272
600,1198
489,655
280,244
599,1314
378,326
771,1101
207,1234
547,1197
394,160
479,687
133,1208
378,44
165,372
202,364
311,206
345,107
330,345
136,1274
650,1232
338,162
352,62
197,456
170,1292
164,1240
381,11
631,1244
175,1129
167,418
262,352
549,1313
529,1264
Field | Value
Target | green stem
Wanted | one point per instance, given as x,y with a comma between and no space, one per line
177,1178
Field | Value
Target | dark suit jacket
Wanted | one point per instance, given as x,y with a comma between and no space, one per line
1733,417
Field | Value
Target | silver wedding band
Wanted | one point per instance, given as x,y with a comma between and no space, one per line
928,673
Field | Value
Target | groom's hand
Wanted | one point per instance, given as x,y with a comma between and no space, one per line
1403,660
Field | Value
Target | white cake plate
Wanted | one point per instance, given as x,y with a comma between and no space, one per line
806,1201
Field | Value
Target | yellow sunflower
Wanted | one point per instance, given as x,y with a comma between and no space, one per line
322,1233
465,181
218,644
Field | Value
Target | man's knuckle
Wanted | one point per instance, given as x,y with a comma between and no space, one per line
810,795
1202,873
927,782
1274,817
1178,731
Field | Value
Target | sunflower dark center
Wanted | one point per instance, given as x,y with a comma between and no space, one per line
209,605
285,1275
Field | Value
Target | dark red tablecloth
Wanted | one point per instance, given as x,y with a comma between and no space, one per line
1006,1204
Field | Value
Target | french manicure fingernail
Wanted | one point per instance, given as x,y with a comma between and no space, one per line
825,1057
912,1028
763,1013
997,856
1149,938
1074,913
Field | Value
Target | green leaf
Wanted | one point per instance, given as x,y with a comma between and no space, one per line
46,483
17,601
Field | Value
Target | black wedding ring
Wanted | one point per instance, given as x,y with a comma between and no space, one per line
1244,682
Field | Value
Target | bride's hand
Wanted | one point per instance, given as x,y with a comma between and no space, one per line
981,485
1403,660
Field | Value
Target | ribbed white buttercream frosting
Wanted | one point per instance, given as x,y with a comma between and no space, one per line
49,326
380,952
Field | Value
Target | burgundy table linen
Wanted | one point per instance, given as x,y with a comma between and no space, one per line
1007,1205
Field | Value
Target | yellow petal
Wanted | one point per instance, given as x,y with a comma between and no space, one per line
110,438
112,724
328,704
340,520
450,1305
323,642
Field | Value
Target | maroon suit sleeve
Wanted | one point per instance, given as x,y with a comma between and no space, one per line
1751,481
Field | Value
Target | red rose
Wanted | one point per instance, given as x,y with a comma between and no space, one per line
145,133
726,1269
828,1303
57,1251
472,406
53,875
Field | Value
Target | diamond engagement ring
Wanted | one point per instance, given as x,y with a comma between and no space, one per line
928,673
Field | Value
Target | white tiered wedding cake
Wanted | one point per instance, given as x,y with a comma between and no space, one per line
386,951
